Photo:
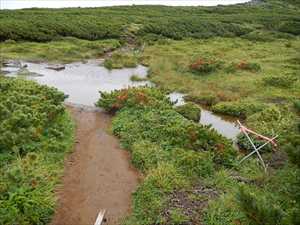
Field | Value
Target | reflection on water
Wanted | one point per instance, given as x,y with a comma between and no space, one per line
83,81
227,128
19,4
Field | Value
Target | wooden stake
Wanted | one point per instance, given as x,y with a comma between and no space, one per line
100,217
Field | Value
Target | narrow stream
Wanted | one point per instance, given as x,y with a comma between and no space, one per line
83,81
224,126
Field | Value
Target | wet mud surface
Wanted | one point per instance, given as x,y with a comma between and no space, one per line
98,174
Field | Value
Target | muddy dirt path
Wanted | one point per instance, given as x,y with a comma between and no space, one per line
97,174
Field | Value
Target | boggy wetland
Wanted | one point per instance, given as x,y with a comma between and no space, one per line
134,109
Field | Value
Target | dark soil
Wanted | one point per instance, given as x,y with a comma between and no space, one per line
191,203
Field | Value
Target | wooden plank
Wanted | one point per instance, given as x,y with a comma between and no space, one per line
100,217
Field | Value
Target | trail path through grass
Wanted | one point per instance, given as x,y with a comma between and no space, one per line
98,174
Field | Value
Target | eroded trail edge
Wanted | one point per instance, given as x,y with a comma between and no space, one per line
98,174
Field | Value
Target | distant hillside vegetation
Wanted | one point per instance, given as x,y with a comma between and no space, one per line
151,22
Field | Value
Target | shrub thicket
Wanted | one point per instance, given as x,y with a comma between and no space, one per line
190,111
35,135
147,21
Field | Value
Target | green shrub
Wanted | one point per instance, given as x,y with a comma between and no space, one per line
269,122
297,105
243,65
147,114
203,66
240,108
190,111
26,206
259,209
285,81
26,108
133,97
208,99
292,27
192,163
36,134
146,155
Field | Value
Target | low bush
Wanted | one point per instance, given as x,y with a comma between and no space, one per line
240,109
194,163
269,122
259,209
147,155
147,114
297,105
133,97
190,111
36,134
243,65
207,99
203,66
267,36
281,81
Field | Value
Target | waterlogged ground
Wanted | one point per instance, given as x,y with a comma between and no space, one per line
80,81
223,125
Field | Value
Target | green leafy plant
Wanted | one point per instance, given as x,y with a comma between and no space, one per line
285,81
204,66
190,111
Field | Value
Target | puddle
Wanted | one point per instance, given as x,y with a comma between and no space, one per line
223,126
81,81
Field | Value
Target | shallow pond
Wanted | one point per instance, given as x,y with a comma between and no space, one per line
224,126
19,4
81,81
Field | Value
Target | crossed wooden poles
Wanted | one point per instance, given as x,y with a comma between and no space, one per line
246,131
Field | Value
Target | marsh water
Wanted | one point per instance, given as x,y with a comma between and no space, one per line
82,81
225,126
20,4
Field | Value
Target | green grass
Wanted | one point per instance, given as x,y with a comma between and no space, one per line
119,60
66,50
35,138
137,78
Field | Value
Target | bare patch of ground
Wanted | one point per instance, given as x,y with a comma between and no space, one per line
98,174
191,203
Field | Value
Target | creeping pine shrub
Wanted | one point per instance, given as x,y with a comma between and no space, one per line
199,164
258,208
243,65
282,81
239,108
133,97
147,155
206,99
202,66
297,105
26,109
190,111
147,114
269,122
